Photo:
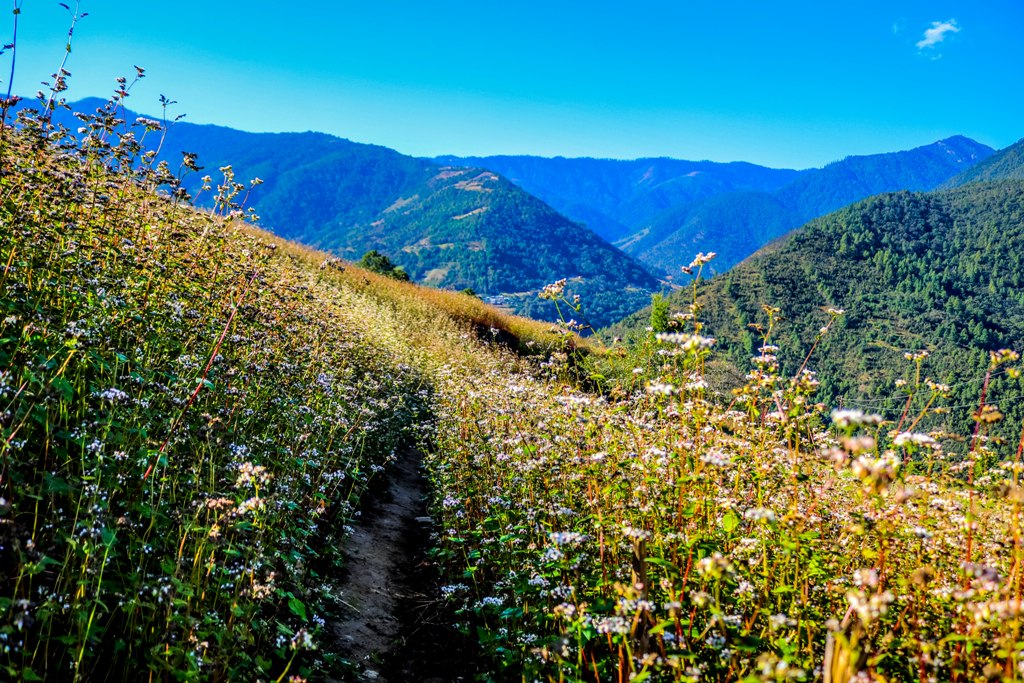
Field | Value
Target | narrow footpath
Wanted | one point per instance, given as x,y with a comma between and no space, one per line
394,628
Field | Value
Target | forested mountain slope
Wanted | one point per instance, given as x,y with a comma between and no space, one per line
941,272
1006,164
663,211
616,198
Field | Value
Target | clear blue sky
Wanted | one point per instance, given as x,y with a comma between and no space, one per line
792,84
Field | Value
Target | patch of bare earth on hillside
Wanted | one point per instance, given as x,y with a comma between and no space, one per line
394,628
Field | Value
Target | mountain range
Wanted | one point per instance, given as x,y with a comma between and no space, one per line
454,228
506,226
663,210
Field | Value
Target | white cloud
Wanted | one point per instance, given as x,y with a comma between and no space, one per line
937,33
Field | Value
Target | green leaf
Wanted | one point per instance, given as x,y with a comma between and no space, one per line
730,522
63,387
297,608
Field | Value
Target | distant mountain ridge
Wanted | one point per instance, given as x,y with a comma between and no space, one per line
677,208
1006,164
449,227
615,195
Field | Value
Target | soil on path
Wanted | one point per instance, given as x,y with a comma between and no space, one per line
394,627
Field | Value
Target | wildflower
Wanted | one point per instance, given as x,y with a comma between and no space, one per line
859,444
988,414
877,473
261,591
450,590
865,578
553,290
614,625
254,503
252,474
985,577
302,640
661,389
759,515
716,458
701,258
1003,356
566,537
113,395
869,609
715,566
854,418
914,439
565,610
781,620
634,533
688,342
700,598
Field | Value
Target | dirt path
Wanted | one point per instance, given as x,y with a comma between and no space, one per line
394,629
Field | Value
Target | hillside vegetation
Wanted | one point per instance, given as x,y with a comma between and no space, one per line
192,408
191,411
937,272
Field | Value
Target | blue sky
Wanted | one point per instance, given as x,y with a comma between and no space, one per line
787,84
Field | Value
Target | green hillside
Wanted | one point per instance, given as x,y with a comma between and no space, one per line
192,412
941,272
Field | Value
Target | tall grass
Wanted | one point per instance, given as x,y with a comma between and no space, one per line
188,419
666,533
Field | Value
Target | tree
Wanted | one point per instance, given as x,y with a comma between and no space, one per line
659,313
379,263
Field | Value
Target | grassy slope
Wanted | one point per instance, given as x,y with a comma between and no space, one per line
151,356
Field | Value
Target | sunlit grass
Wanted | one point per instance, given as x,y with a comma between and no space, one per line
191,409
672,534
